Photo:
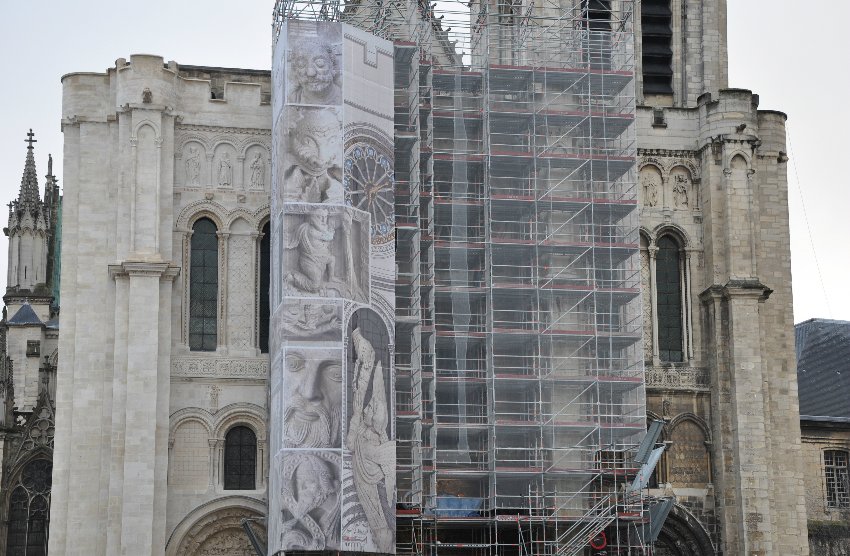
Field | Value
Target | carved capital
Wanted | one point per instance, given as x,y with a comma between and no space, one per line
163,270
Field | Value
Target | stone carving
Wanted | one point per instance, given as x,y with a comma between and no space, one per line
645,280
677,378
240,291
327,252
306,320
207,367
680,190
310,493
258,172
312,415
225,171
651,182
147,96
193,167
373,453
214,391
313,171
314,66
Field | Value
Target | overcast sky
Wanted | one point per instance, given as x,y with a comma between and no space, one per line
794,55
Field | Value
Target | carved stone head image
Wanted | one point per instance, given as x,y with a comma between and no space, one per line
314,156
310,489
314,70
312,398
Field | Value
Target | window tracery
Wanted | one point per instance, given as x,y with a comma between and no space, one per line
28,510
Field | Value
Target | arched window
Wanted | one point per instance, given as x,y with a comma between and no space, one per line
668,284
835,463
203,287
28,510
240,459
265,282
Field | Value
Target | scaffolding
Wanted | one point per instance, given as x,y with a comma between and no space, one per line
519,391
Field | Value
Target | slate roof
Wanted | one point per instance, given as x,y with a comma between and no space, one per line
823,369
25,316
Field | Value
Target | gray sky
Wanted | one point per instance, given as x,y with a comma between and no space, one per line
793,55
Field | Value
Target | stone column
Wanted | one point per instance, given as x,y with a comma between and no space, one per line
653,253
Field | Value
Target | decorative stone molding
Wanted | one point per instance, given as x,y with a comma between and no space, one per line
207,367
165,271
677,378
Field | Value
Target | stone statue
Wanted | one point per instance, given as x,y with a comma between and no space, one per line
680,191
311,503
315,171
314,67
373,456
311,321
312,400
316,266
650,190
193,167
225,171
258,172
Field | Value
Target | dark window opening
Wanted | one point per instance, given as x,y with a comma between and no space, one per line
265,284
240,459
656,20
669,309
837,479
28,516
203,287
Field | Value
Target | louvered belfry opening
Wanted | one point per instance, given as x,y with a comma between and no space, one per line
656,20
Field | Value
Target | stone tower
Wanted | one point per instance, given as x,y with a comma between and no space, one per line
28,358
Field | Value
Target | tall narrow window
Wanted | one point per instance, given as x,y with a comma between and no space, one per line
669,309
656,37
203,287
240,459
837,479
28,511
265,281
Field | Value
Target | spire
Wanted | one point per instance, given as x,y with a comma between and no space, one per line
29,196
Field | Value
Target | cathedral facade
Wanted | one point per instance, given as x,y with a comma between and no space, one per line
160,385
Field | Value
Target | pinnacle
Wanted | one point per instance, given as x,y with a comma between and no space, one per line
29,196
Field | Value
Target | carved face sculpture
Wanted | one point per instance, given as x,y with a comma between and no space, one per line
315,141
314,64
312,485
314,391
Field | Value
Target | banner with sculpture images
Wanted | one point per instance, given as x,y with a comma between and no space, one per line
332,478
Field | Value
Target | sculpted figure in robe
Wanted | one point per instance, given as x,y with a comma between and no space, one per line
193,167
373,455
258,172
311,503
225,171
314,174
316,269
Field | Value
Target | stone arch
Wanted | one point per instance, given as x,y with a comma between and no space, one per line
679,234
181,170
187,414
201,209
215,528
262,215
739,154
688,456
683,535
252,142
189,453
192,138
145,122
240,214
248,414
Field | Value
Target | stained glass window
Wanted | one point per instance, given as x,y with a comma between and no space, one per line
669,306
203,287
28,511
240,459
265,270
